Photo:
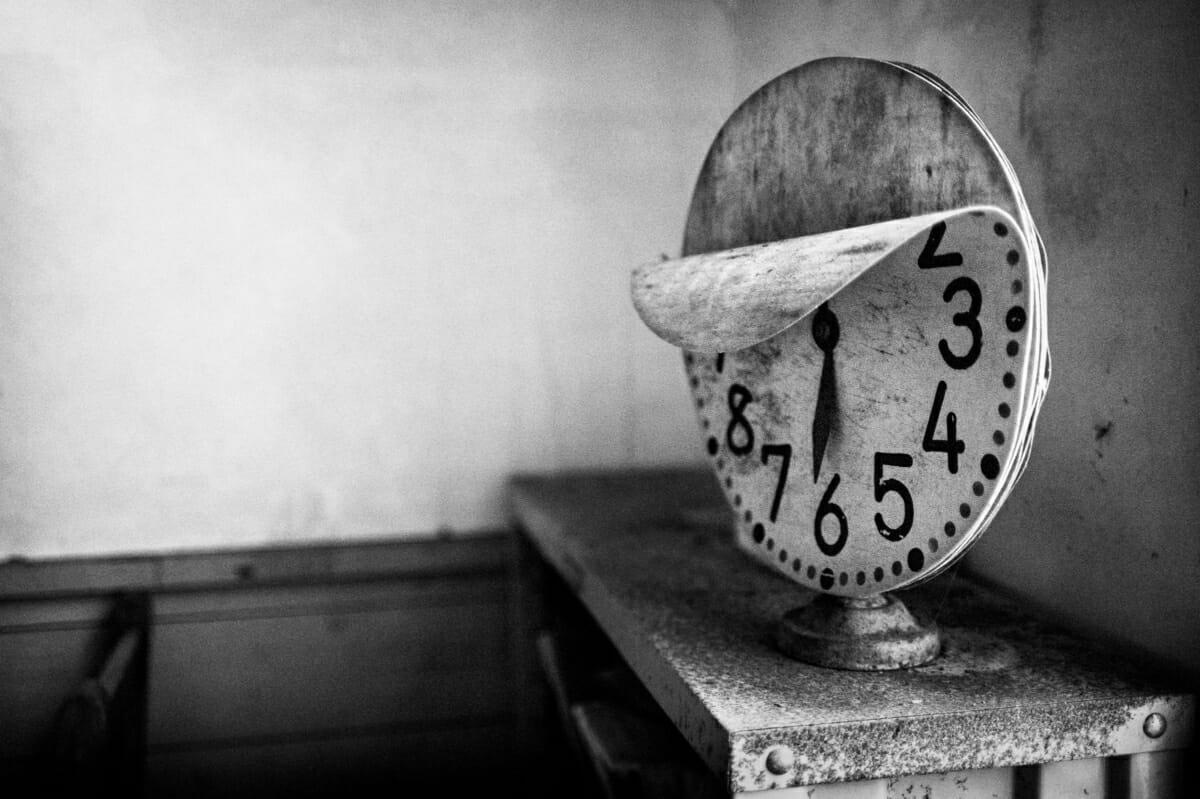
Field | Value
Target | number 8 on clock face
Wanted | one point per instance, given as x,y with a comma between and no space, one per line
865,446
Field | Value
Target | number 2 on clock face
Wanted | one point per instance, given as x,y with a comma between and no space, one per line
859,450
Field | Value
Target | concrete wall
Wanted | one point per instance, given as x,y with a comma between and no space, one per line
285,271
1098,107
279,271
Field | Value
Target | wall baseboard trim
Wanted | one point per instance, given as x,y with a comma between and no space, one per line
341,561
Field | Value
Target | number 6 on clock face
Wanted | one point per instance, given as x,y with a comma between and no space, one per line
861,451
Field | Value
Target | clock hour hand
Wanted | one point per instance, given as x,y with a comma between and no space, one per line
825,333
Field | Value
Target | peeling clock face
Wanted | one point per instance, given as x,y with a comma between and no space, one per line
865,446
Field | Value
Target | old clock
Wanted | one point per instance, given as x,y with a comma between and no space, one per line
861,307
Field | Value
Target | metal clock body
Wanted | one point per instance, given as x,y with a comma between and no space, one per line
861,305
861,448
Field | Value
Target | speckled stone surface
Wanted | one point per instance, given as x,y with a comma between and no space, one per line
651,554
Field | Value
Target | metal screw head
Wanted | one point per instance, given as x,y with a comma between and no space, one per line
1154,725
780,760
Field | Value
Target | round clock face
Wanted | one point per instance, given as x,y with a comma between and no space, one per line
866,446
863,447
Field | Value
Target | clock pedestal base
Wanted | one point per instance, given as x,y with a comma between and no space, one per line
873,633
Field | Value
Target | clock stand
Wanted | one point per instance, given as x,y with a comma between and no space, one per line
869,633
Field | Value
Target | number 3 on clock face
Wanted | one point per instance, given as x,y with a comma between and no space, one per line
861,448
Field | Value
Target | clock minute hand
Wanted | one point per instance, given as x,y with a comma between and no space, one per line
825,333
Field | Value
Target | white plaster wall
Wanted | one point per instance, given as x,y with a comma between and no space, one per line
1098,107
292,270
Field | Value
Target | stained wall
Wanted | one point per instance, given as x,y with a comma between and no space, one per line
1096,105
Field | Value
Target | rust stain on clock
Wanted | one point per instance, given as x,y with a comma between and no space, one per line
865,248
778,167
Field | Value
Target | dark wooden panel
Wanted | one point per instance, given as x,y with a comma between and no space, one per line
339,668
37,670
381,661
334,642
45,649
450,760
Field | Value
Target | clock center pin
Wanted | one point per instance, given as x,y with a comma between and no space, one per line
825,329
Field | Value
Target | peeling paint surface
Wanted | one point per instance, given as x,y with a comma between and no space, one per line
654,560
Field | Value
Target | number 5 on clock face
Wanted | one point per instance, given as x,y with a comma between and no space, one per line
862,447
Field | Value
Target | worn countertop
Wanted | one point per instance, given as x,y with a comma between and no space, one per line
651,555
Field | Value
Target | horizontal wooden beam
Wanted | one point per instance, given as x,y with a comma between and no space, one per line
336,562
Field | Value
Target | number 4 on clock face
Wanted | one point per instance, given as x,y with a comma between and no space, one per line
859,446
